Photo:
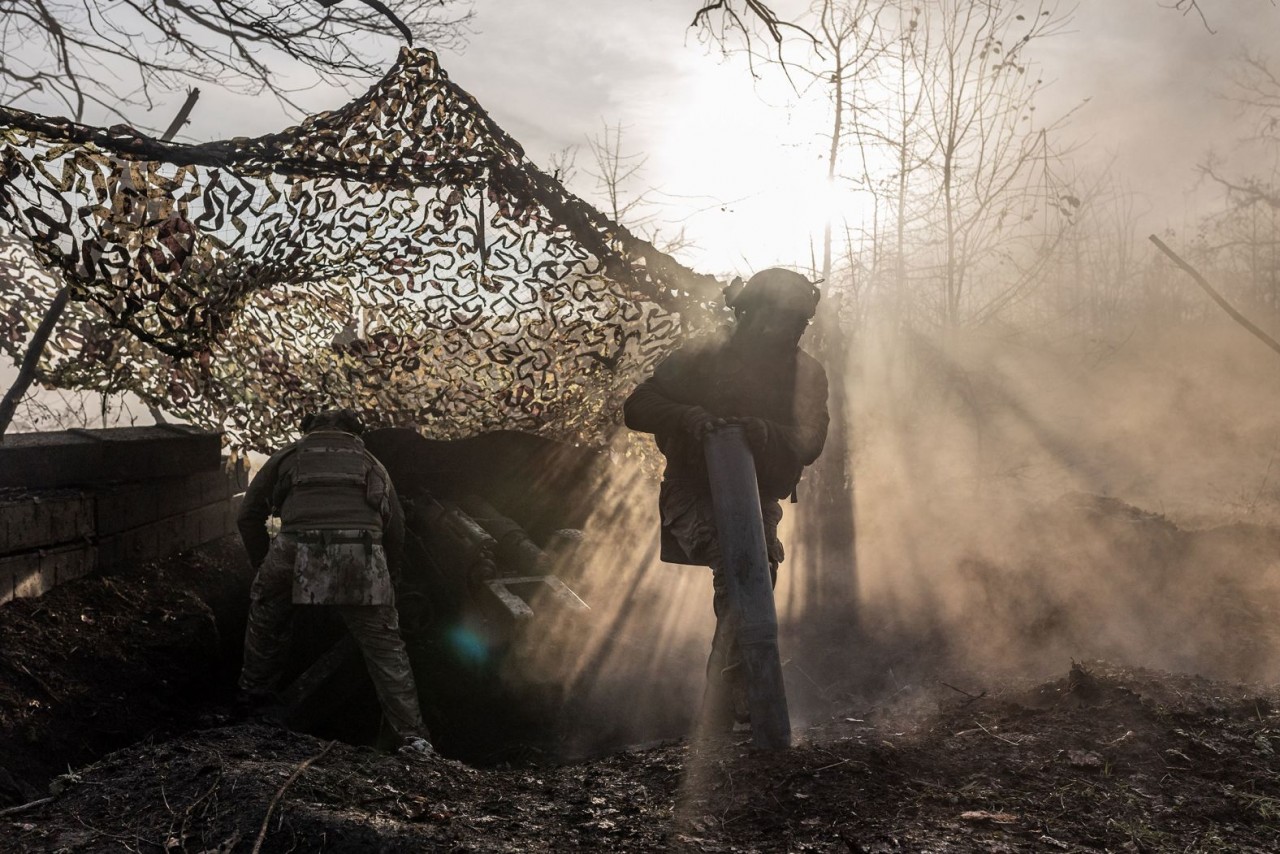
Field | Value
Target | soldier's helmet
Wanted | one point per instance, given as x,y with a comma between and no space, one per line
776,289
346,420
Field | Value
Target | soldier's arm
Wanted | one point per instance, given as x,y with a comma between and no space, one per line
790,447
254,510
656,406
804,440
393,527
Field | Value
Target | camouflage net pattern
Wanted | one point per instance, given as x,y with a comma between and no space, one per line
400,255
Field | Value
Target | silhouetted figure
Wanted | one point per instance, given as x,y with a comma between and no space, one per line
755,375
340,525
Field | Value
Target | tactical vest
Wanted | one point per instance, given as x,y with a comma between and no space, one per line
330,482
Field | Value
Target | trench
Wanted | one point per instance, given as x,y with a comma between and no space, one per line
152,651
102,662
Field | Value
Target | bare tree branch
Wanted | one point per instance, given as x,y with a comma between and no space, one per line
1248,190
1186,7
720,20
1215,296
65,55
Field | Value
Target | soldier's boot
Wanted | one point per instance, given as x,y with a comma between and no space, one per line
718,704
416,744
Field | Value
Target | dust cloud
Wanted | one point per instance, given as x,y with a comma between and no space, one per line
1019,504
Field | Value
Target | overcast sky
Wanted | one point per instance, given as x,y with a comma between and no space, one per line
737,161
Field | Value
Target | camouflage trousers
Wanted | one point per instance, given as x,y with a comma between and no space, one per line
375,628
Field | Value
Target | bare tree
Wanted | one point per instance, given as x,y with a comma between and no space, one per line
1255,90
1098,271
722,20
615,169
563,164
69,54
887,130
849,40
998,197
848,43
617,172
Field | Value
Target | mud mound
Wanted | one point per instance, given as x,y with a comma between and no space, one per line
1104,758
213,790
101,662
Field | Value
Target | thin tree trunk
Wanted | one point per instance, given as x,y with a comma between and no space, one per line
31,359
827,526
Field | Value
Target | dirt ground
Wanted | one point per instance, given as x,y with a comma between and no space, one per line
1103,759
940,758
105,661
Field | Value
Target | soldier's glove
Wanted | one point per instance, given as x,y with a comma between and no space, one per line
757,430
698,422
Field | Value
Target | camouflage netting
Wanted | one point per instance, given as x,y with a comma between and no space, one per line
399,255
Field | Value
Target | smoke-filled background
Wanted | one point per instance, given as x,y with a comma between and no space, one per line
1049,443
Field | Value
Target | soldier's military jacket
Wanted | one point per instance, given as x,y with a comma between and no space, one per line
788,391
339,516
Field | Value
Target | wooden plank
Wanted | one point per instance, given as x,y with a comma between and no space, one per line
34,573
45,521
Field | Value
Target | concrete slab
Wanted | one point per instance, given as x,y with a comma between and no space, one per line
37,572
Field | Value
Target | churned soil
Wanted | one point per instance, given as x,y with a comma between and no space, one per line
103,661
1105,758
116,735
